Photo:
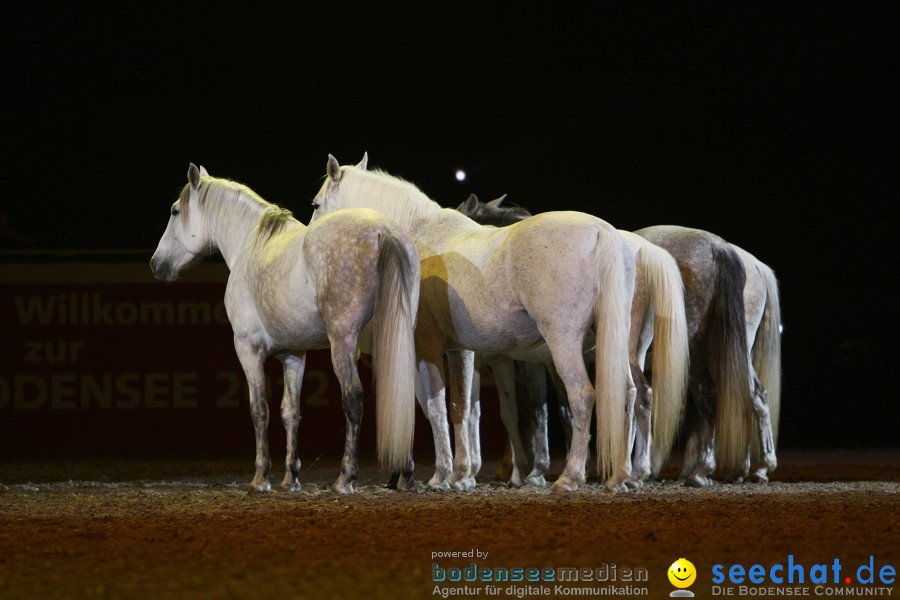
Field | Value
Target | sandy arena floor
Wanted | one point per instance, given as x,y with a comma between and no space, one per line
190,529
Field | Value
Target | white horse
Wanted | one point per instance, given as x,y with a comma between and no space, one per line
549,278
293,288
734,320
657,316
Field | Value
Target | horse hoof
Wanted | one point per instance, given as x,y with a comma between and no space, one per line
406,485
564,486
342,487
741,476
697,481
536,481
759,476
260,486
616,485
464,484
290,486
438,484
633,484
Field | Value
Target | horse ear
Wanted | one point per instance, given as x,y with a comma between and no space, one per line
498,201
203,171
364,162
333,168
194,176
471,204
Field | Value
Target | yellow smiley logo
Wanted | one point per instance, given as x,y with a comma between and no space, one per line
682,573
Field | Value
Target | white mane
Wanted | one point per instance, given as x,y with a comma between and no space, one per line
399,200
225,201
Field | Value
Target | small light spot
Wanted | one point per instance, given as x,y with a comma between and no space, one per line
460,175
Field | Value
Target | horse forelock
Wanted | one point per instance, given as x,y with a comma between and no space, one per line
184,197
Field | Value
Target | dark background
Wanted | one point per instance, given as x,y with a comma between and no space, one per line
774,127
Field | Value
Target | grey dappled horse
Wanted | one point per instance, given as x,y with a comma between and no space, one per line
734,325
293,288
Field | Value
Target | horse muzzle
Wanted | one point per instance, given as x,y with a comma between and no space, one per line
162,270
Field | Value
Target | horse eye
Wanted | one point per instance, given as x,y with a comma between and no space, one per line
315,205
174,211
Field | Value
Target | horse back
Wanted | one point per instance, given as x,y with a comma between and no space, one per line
555,254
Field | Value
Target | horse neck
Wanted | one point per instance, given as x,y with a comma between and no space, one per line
231,221
398,200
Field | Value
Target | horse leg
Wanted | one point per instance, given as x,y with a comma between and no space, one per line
630,481
504,471
565,412
473,423
461,364
766,460
700,454
562,402
641,430
569,362
294,366
252,360
505,378
343,360
536,384
430,391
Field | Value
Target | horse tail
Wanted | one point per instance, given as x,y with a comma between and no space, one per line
394,360
612,315
670,350
767,348
728,357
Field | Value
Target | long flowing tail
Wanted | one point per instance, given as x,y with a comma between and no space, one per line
661,276
612,322
728,360
396,303
767,348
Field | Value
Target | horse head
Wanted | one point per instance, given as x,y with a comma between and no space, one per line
187,236
327,200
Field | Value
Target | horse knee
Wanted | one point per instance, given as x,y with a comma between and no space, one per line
760,398
458,412
351,400
290,415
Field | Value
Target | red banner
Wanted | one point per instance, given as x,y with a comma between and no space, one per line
100,359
